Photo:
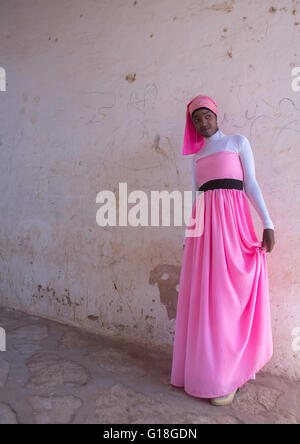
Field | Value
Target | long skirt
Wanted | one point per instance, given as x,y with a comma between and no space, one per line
223,331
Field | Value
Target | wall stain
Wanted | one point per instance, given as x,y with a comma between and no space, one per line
93,317
142,98
157,148
68,296
131,77
274,9
167,278
50,294
226,6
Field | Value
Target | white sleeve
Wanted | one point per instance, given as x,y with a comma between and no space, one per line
195,186
252,188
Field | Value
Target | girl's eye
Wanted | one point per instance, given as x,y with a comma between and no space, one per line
207,117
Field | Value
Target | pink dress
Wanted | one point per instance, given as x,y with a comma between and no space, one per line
223,329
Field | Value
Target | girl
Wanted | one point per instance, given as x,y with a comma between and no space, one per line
223,331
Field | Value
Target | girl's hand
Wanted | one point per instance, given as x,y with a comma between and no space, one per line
268,239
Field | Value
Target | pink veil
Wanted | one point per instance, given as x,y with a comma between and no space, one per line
193,141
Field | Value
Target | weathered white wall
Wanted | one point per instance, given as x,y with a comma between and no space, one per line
73,123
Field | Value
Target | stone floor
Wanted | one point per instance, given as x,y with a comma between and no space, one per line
53,373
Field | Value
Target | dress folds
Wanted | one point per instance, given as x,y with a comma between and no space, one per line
223,328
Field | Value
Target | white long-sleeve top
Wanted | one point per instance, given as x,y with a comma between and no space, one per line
240,145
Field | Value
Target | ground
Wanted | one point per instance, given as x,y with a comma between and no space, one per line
54,373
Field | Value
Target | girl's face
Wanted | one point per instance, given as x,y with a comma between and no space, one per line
205,122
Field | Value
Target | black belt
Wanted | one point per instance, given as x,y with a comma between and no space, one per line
222,183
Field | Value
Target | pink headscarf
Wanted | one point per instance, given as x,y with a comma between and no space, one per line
193,141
